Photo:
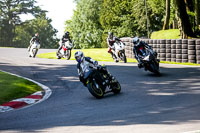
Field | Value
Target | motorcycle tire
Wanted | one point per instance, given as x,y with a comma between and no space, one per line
116,87
155,68
68,54
57,55
124,58
35,52
96,92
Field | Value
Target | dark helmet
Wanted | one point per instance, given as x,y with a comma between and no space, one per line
136,40
110,35
67,34
79,56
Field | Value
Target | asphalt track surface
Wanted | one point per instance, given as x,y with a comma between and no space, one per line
169,103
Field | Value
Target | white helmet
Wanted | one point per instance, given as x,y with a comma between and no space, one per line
79,56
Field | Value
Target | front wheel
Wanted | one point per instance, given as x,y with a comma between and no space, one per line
68,55
94,90
35,52
116,87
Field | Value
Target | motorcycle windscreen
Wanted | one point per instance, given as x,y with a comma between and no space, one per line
87,73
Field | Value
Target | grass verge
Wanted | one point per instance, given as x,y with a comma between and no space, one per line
166,34
12,87
101,54
98,54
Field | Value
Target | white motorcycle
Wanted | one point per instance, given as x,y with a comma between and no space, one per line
119,52
65,52
34,49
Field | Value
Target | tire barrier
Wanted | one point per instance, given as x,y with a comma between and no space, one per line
191,51
168,50
163,50
174,50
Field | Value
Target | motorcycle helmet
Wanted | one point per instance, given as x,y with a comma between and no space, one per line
110,35
79,56
36,34
66,34
136,40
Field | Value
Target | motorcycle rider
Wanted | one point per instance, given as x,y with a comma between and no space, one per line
34,39
64,39
83,62
139,49
110,41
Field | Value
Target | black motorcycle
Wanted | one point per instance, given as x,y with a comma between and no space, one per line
97,82
150,61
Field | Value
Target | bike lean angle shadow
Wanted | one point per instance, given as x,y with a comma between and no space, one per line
173,96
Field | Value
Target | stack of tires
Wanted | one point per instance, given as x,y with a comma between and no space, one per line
131,48
163,50
127,47
155,45
184,50
191,51
168,50
150,42
158,48
173,50
178,50
198,51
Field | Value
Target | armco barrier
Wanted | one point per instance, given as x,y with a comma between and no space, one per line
175,50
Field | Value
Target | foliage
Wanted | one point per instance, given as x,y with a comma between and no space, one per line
16,33
84,26
41,25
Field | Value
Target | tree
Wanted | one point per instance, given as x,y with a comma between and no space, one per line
167,17
85,26
10,11
42,25
197,12
184,19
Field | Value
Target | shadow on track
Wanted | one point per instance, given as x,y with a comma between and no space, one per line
173,97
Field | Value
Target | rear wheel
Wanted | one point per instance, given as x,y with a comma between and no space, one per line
155,67
124,57
116,87
96,92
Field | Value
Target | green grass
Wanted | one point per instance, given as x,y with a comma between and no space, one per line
166,34
191,64
101,54
12,87
98,54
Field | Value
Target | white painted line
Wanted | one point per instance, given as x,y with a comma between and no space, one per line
5,108
38,93
47,94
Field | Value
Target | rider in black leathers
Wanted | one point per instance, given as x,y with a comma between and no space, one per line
139,49
87,61
65,38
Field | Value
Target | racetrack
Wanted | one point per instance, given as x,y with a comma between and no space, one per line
169,103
